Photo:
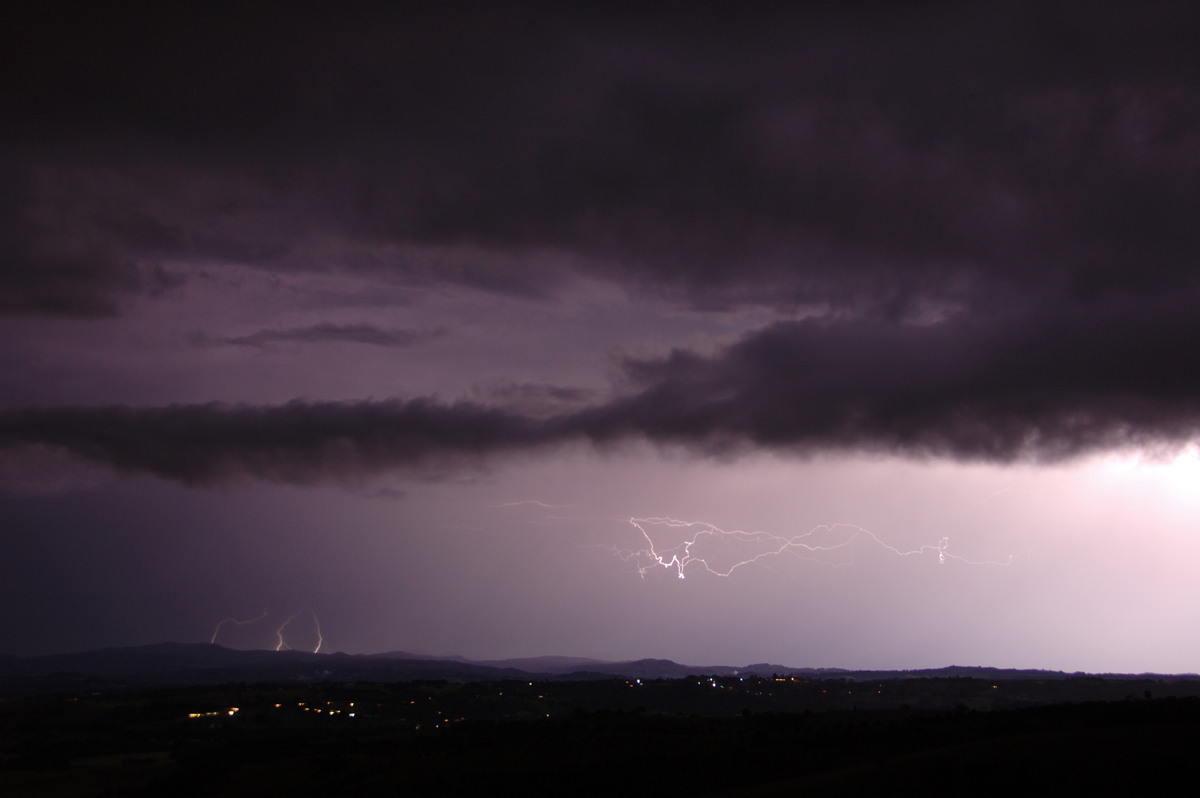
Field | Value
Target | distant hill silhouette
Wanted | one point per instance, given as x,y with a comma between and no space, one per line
184,664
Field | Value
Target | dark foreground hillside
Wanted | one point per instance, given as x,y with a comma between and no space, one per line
612,737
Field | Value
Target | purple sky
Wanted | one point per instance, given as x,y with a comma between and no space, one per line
394,319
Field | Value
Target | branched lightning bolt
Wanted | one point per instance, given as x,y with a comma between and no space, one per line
808,545
280,645
236,622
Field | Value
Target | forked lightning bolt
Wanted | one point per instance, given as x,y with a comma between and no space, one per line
280,645
691,536
236,622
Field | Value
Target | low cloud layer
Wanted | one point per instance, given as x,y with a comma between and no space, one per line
295,443
996,389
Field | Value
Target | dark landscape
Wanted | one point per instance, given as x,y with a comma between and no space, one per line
200,719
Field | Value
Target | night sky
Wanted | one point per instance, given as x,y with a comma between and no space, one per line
881,321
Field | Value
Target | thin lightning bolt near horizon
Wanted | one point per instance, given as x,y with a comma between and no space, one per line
279,646
236,622
819,540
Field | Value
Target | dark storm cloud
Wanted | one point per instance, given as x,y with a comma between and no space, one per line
1021,386
1006,388
865,155
41,272
295,443
997,201
335,333
534,400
